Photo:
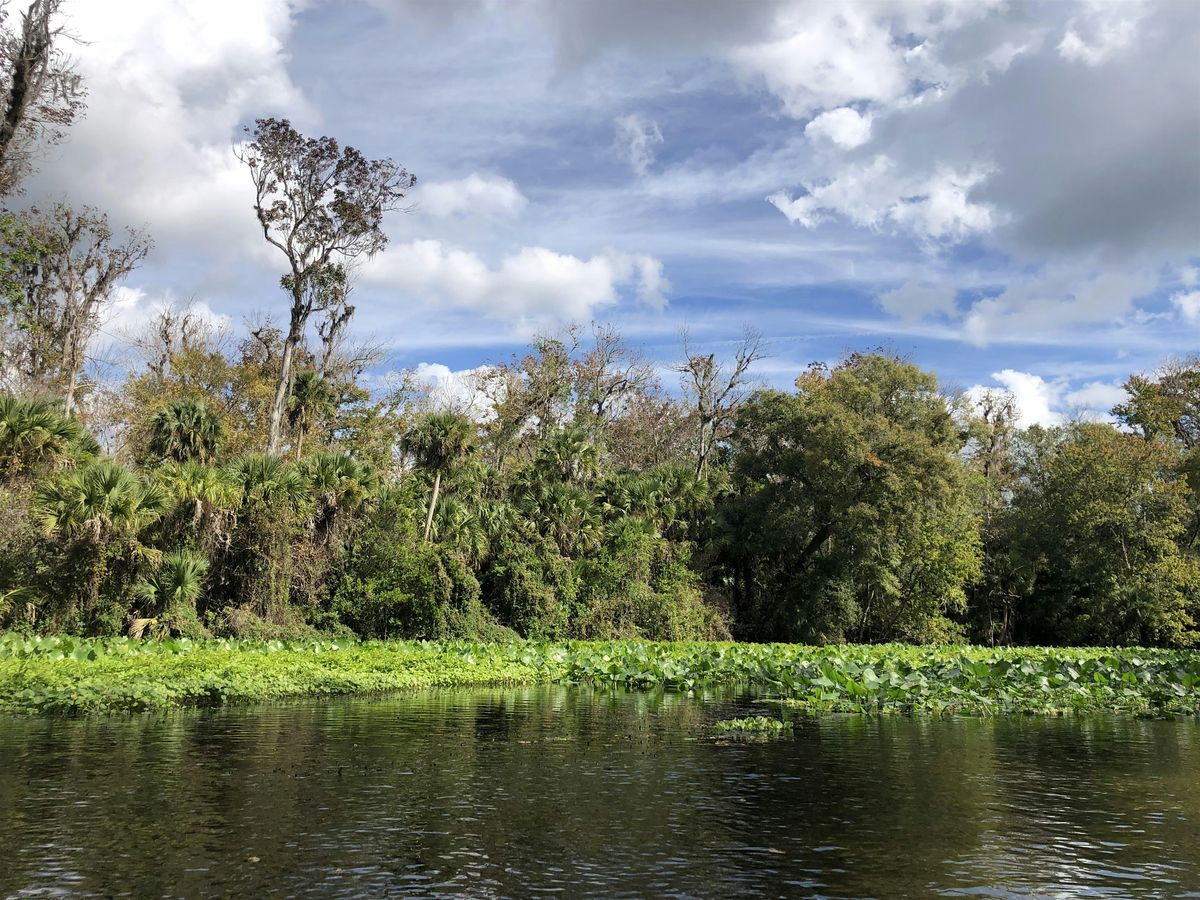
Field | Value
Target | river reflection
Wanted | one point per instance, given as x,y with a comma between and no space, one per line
518,792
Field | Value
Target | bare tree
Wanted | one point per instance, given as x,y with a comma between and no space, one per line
173,329
715,390
79,262
608,375
322,206
42,93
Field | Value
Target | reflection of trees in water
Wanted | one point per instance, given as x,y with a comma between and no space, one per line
498,789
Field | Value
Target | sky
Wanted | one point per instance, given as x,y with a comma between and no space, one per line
1006,192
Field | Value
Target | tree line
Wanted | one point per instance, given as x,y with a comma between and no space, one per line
265,483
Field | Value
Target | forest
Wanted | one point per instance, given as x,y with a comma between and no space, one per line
267,481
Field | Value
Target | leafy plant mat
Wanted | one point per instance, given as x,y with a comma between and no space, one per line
63,674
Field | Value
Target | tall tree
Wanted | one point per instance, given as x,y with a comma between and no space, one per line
79,261
41,92
437,443
1096,525
852,517
322,206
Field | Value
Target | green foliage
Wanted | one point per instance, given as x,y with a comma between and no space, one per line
185,430
59,674
178,580
850,515
864,506
1097,526
758,726
36,437
410,589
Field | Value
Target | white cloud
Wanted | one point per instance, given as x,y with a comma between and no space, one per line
168,82
1188,305
1104,30
533,283
1034,396
916,300
636,141
844,127
485,196
457,391
933,207
826,55
1096,397
1049,403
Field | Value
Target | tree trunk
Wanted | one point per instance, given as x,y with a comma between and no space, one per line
72,383
437,485
275,431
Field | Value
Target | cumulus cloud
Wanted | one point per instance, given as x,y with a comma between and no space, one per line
824,55
843,126
1103,30
1188,305
1049,403
936,206
1095,398
132,308
168,83
533,283
455,390
484,196
636,141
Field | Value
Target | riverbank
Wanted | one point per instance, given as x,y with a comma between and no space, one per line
69,675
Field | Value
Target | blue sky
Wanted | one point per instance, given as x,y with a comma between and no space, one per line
1007,192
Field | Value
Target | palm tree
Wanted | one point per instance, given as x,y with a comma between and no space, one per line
437,442
312,398
201,497
340,485
262,480
460,527
103,506
569,454
183,430
36,432
177,581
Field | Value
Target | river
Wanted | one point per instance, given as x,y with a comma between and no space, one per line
570,791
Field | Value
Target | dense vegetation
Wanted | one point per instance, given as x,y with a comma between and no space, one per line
63,674
266,482
863,506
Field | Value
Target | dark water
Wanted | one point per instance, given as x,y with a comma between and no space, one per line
542,791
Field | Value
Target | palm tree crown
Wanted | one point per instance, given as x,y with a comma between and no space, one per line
184,430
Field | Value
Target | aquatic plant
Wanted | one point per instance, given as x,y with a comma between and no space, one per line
753,725
71,674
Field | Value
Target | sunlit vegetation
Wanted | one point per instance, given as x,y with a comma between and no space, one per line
758,726
57,674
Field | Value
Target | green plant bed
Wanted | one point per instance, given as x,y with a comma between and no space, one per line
60,674
752,725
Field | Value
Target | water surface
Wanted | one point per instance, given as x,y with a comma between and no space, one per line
520,792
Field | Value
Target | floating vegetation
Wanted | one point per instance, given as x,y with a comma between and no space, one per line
753,725
62,674
902,678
